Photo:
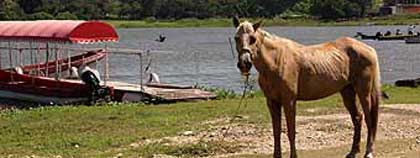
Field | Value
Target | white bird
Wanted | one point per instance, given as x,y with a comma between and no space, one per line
153,78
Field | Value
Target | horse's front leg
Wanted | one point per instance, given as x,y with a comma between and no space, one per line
275,111
290,111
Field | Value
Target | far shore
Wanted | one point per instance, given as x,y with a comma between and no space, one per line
297,21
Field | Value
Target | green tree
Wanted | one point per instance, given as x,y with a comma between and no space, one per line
66,16
334,9
41,16
30,6
10,10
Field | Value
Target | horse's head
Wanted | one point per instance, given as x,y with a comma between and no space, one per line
246,44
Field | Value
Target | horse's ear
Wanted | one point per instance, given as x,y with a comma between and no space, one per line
257,25
235,21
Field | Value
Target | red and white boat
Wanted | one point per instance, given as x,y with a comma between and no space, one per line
41,90
28,37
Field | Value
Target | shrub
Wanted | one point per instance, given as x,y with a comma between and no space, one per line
335,9
66,16
41,16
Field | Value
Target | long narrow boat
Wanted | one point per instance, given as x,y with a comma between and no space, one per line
383,38
63,64
394,37
41,90
412,40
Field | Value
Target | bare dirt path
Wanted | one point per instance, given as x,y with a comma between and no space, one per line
399,123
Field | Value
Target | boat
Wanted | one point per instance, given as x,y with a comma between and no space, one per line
412,40
395,37
383,37
65,63
41,90
38,37
365,37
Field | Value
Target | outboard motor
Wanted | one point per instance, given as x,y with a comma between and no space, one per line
91,78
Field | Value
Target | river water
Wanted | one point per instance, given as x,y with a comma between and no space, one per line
203,56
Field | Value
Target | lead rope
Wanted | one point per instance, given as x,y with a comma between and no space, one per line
243,98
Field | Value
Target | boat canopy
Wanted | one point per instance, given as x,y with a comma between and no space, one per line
58,31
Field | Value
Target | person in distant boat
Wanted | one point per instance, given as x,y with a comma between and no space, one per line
161,38
411,29
379,34
153,78
388,33
398,32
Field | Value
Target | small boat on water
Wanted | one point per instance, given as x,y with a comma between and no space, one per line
412,40
365,37
383,37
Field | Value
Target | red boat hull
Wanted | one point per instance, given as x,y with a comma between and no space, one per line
41,90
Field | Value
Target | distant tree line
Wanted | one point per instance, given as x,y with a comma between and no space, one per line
178,9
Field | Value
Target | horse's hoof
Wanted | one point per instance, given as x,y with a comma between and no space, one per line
351,155
369,155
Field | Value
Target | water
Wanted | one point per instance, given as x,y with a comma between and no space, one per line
203,56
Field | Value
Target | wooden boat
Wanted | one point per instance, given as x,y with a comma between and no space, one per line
383,38
44,90
365,37
63,64
412,40
394,37
41,90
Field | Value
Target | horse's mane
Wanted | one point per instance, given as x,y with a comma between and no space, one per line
246,26
268,34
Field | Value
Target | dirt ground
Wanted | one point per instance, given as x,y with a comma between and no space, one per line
317,136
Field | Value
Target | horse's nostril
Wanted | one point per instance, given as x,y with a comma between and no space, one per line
238,65
248,64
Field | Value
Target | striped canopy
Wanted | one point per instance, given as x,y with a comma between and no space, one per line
58,31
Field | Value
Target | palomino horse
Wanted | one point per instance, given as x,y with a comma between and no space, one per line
289,71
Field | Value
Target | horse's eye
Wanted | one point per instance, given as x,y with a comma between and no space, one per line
252,40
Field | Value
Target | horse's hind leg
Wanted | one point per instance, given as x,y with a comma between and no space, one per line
364,92
349,98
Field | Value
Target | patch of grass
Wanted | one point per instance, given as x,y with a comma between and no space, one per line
220,92
104,131
202,149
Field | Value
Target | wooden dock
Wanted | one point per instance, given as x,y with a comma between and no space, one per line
126,92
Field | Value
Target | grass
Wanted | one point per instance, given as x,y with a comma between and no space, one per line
105,131
226,22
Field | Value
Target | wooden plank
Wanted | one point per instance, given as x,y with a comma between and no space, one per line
165,92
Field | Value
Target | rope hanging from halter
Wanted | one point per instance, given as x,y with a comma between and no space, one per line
246,86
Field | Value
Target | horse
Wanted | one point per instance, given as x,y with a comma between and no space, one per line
289,71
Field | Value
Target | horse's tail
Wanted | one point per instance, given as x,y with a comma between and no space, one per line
376,87
375,97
